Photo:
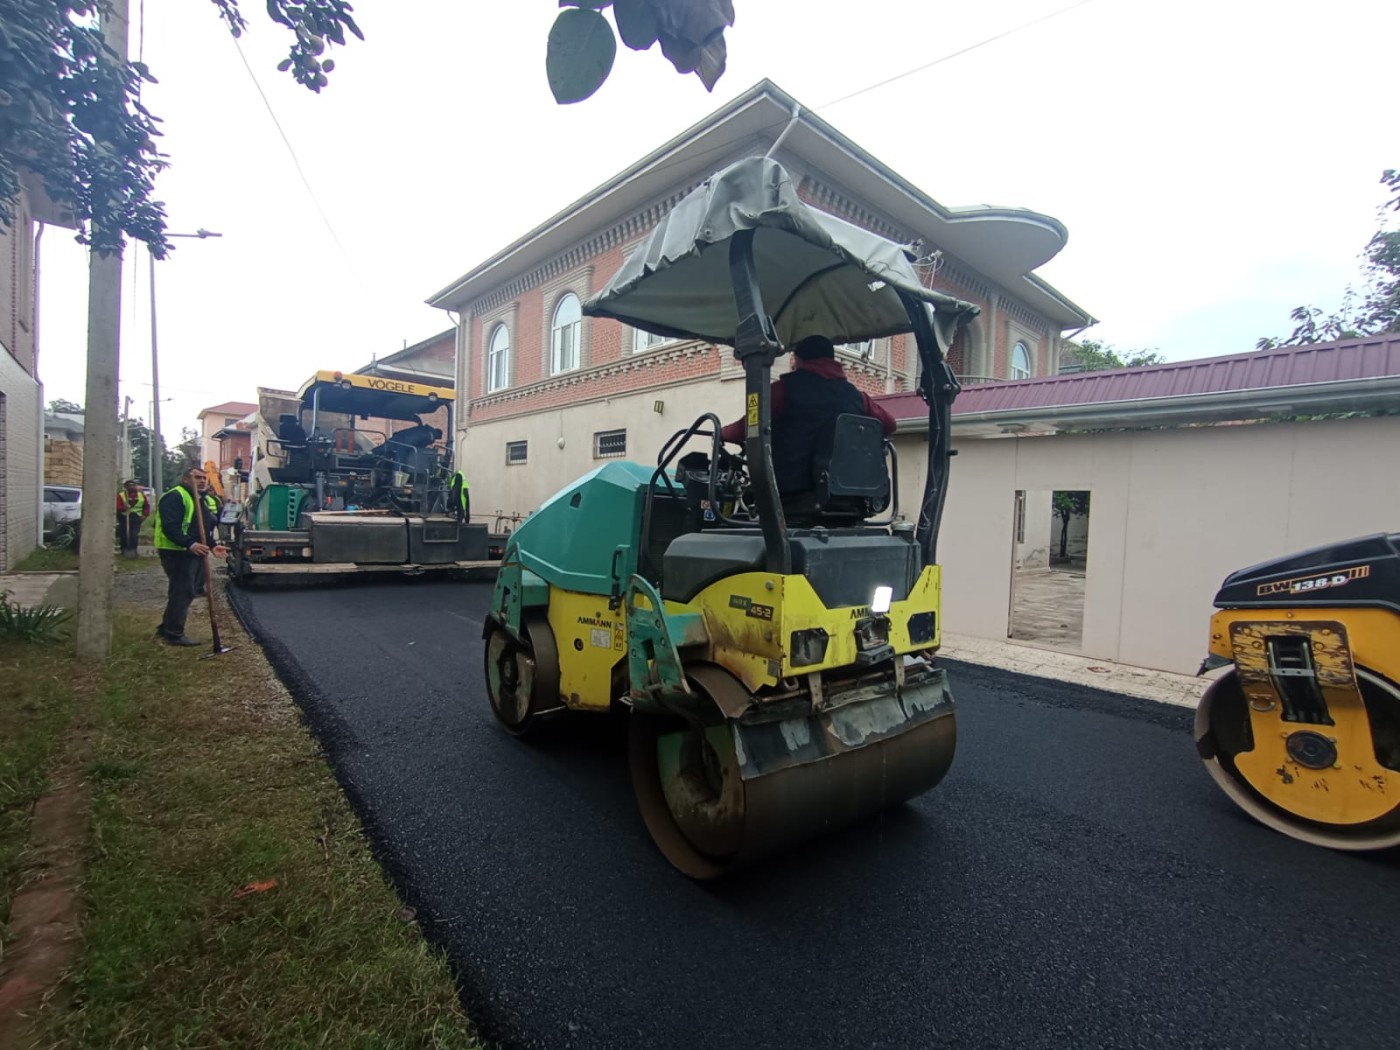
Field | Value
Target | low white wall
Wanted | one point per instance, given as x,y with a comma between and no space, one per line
1172,512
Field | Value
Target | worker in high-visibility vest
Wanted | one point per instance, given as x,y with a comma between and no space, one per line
459,497
133,508
181,552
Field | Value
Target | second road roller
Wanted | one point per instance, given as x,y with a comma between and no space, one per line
773,651
1303,730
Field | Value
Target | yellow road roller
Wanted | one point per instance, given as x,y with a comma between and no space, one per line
772,652
1303,731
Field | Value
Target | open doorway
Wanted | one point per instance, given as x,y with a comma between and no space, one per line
1049,568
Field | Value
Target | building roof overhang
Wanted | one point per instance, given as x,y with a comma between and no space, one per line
1272,403
1002,243
1355,375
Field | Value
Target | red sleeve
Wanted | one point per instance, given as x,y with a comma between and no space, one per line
878,411
120,508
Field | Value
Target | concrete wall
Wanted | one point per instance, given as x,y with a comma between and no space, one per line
1173,511
498,487
19,463
1031,546
19,393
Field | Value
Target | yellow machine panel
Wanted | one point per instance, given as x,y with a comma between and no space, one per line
751,619
591,639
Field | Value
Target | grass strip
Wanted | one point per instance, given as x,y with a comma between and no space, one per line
230,897
37,699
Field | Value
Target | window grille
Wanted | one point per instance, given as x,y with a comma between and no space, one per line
517,452
609,444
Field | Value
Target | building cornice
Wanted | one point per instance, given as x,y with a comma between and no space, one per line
581,377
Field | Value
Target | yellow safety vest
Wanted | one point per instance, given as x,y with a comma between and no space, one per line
164,542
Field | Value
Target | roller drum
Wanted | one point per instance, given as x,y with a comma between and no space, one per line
722,796
1335,785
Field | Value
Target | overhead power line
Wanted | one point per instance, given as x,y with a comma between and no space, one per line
954,54
330,228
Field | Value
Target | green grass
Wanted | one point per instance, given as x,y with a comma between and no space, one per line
37,699
204,781
43,559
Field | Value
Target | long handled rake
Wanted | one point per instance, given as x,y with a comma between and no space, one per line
219,646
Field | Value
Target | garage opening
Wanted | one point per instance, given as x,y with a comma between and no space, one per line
1049,571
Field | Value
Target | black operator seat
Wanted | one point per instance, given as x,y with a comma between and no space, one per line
850,478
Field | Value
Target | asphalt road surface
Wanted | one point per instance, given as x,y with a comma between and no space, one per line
1076,881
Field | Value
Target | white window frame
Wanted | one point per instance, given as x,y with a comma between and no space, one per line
498,359
566,339
1019,371
599,435
644,342
524,446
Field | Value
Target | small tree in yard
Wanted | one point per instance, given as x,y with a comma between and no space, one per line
1094,355
1067,505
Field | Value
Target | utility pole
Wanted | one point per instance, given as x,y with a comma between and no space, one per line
157,457
127,467
158,449
96,559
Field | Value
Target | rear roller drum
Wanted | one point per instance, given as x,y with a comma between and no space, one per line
522,676
709,812
1329,785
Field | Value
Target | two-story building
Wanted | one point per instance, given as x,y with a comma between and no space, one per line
21,393
545,394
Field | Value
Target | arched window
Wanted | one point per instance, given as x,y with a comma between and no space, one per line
568,325
498,359
1020,362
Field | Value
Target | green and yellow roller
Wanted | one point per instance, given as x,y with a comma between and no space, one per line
774,655
1303,731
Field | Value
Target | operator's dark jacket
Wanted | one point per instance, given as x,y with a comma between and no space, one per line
172,519
804,401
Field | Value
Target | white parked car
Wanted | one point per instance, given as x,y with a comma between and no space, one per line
62,505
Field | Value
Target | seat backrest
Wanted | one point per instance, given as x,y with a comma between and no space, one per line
849,474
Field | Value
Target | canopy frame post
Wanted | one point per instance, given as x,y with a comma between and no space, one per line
938,386
756,347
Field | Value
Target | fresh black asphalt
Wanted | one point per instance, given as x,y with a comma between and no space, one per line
1076,881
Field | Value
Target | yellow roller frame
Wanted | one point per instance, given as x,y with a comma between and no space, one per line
1357,788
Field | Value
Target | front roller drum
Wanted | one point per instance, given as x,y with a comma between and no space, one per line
1335,785
522,675
722,795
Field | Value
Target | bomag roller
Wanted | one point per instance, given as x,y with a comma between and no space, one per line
1303,731
773,653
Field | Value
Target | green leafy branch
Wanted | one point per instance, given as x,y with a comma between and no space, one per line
582,45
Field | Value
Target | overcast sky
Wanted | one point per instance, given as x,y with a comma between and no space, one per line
1215,163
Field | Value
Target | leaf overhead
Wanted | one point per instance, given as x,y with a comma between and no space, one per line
636,23
580,54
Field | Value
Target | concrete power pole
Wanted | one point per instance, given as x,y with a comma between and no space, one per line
124,468
95,557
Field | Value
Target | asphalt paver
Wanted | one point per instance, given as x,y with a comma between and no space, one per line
1075,881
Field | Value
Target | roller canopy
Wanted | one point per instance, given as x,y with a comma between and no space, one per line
818,274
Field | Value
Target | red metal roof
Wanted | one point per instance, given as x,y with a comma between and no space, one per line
1262,370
